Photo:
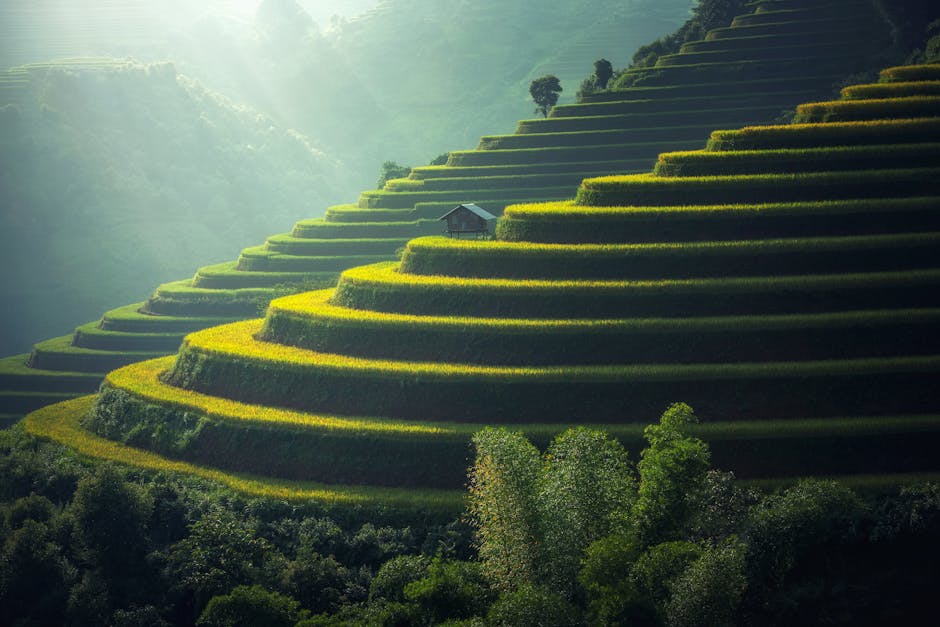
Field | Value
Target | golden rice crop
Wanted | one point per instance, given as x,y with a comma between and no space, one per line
832,128
237,341
60,423
904,73
568,210
316,305
143,381
884,90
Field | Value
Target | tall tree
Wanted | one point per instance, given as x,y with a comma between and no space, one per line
672,476
603,70
504,506
544,92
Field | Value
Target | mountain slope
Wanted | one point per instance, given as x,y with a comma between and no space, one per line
617,131
782,281
118,175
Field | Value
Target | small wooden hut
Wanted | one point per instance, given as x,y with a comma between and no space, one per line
469,219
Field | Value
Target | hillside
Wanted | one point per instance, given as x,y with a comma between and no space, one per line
405,80
119,175
781,281
618,131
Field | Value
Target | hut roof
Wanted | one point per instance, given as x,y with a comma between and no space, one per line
479,211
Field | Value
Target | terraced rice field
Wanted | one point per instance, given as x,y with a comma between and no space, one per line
752,76
802,330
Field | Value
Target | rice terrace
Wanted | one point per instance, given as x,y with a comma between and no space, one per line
687,375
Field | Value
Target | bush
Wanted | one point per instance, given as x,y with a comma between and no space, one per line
709,591
394,575
532,606
250,606
391,170
451,590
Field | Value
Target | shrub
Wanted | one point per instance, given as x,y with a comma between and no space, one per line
451,590
391,170
394,575
250,606
710,589
532,606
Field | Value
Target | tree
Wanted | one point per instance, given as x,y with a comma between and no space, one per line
451,589
249,606
603,71
318,582
221,552
532,606
709,591
504,506
544,92
392,170
672,477
34,577
586,491
111,517
390,581
798,530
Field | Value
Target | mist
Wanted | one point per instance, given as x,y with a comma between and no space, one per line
141,140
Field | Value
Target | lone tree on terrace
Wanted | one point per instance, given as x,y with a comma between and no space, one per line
603,71
544,92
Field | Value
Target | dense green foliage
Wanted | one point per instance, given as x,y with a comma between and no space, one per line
101,545
571,538
685,545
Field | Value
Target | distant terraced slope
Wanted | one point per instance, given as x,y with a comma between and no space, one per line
758,67
783,281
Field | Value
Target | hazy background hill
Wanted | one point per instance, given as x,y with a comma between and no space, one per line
367,80
222,122
115,178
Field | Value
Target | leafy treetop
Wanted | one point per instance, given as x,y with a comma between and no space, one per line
544,92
